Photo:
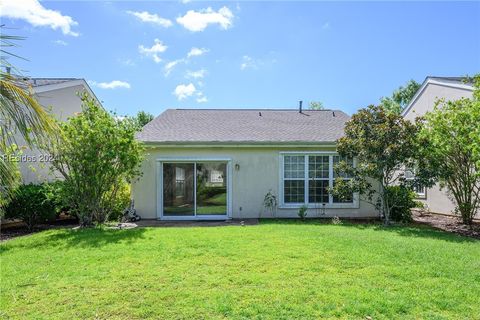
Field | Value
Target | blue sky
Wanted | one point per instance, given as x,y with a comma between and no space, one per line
244,54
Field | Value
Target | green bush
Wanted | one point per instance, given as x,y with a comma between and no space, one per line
120,202
302,212
402,200
57,196
32,204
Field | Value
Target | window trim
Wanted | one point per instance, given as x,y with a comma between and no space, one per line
419,195
330,205
159,186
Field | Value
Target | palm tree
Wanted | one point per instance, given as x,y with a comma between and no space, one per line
20,115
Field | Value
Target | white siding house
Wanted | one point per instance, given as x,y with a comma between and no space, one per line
60,97
433,88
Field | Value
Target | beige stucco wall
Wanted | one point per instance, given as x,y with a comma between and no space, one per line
426,101
437,200
63,104
259,172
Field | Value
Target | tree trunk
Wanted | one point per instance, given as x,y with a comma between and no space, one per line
385,205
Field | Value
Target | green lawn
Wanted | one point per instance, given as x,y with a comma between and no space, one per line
275,270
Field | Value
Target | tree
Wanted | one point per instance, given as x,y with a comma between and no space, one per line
450,137
96,154
382,143
316,105
401,97
22,116
142,118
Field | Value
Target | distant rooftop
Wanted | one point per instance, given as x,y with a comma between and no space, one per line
37,82
457,80
244,126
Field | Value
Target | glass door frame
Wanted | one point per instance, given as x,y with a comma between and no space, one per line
193,160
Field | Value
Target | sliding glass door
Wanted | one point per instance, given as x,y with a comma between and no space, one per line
178,189
211,188
197,189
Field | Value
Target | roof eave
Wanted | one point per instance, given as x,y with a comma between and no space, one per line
238,143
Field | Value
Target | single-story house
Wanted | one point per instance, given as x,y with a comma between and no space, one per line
433,88
58,96
220,164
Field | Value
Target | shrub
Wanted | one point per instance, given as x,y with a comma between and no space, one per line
120,202
302,212
96,153
57,196
32,204
402,200
270,203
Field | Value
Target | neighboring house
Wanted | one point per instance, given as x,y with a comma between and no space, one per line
60,97
433,88
220,164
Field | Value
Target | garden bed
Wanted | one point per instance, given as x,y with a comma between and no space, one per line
13,229
447,223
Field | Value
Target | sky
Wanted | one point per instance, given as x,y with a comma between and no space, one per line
152,55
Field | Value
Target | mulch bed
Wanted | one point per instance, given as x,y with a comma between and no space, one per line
447,223
13,230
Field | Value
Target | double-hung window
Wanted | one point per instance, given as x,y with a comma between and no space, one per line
307,178
294,179
418,189
318,179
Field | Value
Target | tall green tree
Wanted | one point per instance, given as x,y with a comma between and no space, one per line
21,114
450,143
401,97
142,118
96,154
316,105
382,143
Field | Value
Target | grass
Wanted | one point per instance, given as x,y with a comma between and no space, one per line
276,270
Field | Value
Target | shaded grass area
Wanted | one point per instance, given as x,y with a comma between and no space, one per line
275,270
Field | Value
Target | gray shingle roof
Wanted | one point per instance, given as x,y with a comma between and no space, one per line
244,126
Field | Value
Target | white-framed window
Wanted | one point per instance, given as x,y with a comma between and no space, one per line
418,189
306,178
294,178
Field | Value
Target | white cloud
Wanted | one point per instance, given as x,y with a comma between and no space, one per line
37,15
254,64
152,18
183,91
153,51
199,74
198,20
111,85
194,52
60,43
171,65
126,62
248,63
202,99
185,1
